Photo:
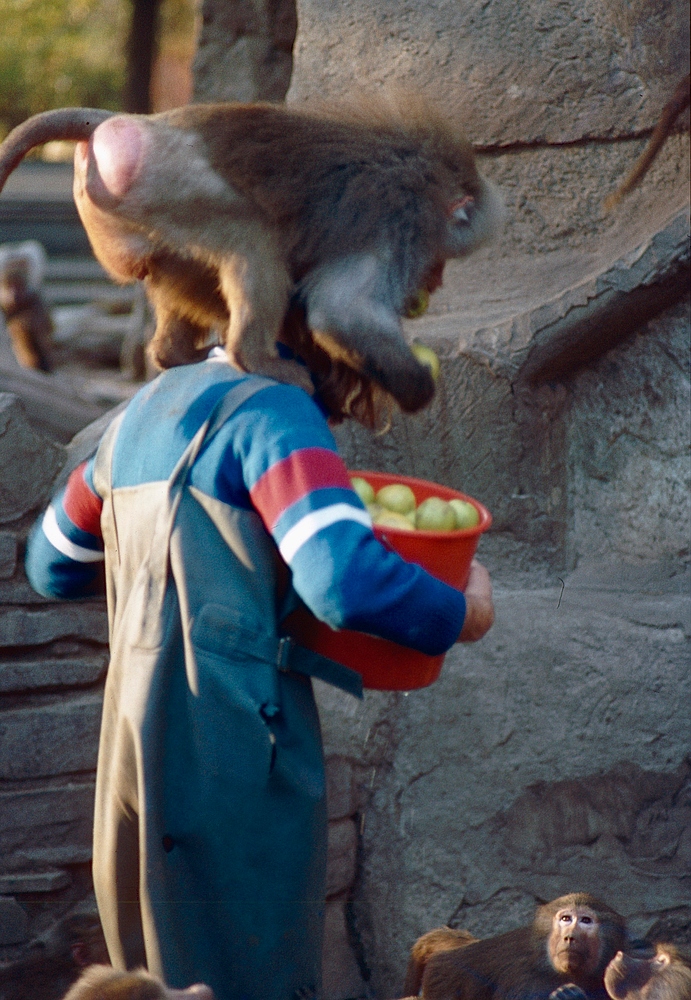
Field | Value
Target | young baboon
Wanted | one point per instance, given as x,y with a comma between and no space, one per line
28,321
570,942
665,975
102,982
229,211
431,943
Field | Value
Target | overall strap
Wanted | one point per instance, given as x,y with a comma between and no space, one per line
159,553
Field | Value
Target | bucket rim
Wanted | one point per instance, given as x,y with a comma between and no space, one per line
483,525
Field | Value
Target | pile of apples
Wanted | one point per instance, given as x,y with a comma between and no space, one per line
394,506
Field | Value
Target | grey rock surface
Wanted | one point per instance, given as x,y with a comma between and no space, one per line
14,923
20,627
32,675
342,978
8,554
29,462
341,857
508,72
50,825
628,447
244,50
60,737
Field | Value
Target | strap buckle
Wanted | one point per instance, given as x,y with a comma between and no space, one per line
285,645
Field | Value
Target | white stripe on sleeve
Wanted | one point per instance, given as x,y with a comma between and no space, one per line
55,536
313,522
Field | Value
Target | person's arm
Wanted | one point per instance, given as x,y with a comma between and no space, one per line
301,489
64,557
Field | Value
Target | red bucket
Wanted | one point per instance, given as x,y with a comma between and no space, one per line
384,665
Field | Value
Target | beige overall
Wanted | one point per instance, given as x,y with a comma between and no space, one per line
210,823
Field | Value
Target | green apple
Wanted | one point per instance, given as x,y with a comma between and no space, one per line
397,497
426,356
363,489
417,304
390,519
435,514
466,515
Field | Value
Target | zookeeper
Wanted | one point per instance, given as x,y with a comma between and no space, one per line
216,501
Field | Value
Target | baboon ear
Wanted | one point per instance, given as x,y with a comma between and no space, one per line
80,954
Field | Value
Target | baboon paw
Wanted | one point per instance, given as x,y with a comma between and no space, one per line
568,992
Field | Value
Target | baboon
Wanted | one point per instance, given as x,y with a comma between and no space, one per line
102,982
665,975
55,960
28,321
431,943
230,211
569,943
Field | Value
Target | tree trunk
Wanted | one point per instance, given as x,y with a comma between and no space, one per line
141,50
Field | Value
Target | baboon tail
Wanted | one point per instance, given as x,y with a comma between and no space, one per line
63,123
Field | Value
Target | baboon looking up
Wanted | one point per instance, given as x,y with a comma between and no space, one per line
570,941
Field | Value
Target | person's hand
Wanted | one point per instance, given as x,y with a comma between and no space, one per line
479,613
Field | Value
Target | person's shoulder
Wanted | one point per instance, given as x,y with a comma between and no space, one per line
287,402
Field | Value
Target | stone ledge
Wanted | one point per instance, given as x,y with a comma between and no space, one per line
33,675
29,461
19,883
83,620
14,922
53,739
546,332
47,826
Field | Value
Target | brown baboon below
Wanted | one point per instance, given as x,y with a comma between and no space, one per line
229,211
568,945
439,939
664,976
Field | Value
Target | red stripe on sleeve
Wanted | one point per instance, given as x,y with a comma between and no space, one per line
81,505
294,477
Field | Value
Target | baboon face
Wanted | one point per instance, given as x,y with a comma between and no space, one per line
574,942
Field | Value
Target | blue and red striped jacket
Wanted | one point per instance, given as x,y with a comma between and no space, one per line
277,455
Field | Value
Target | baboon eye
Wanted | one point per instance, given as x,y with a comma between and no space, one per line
586,920
566,918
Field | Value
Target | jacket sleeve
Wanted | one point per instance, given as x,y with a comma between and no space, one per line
301,488
64,557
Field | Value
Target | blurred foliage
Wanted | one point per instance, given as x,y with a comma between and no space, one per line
178,23
57,53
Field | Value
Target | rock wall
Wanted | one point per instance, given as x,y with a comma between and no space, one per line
531,72
52,663
552,756
244,50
